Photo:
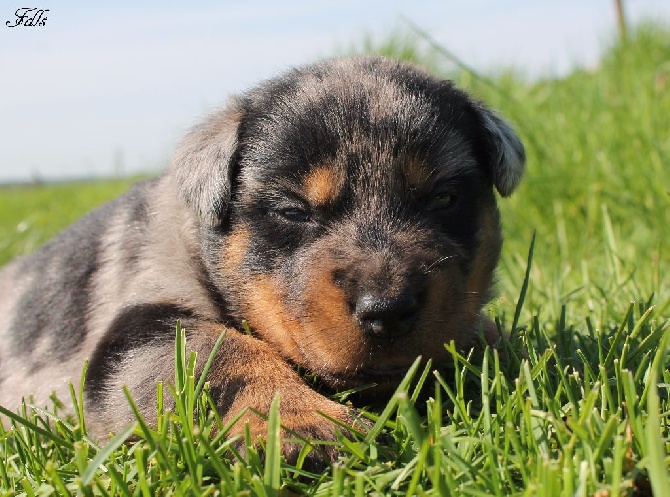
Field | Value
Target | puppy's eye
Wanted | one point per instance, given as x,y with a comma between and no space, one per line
442,200
295,215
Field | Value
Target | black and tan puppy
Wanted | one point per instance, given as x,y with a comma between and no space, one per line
345,209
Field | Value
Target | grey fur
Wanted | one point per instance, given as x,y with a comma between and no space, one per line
201,164
508,166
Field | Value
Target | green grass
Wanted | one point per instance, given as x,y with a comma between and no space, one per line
586,413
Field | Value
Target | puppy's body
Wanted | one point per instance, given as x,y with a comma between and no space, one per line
63,298
346,210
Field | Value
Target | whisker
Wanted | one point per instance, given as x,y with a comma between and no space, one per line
437,262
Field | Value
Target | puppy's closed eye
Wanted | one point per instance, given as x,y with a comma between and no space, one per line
295,214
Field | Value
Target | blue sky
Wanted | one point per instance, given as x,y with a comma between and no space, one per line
118,83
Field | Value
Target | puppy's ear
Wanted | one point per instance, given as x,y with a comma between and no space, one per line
202,166
505,151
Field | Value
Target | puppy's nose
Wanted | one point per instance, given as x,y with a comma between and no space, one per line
384,317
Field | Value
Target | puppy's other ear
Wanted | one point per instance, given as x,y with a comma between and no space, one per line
506,154
202,166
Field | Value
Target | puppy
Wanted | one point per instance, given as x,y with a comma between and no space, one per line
345,209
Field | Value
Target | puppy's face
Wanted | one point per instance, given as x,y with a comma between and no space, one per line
359,227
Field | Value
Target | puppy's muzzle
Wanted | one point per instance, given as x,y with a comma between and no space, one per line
383,317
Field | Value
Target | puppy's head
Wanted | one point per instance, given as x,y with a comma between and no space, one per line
348,213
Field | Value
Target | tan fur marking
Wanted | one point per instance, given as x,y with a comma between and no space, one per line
481,277
415,173
322,185
328,314
267,314
236,248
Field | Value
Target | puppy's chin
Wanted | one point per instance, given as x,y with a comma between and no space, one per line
370,386
378,376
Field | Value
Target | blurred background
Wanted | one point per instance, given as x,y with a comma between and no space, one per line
107,89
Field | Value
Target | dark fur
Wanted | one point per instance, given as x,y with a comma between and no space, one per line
345,209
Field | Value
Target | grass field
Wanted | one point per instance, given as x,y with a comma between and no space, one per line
587,413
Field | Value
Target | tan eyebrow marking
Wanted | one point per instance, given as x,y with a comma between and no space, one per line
416,173
322,185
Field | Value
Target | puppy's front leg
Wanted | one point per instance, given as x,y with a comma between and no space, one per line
138,351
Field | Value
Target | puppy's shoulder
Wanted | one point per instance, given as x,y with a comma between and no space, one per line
51,290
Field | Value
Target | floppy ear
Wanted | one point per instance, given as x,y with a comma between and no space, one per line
506,154
202,166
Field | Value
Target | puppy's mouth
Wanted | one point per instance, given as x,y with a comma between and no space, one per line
384,372
388,376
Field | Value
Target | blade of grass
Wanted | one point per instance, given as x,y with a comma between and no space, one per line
272,471
106,451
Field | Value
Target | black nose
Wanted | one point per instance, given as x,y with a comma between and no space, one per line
384,317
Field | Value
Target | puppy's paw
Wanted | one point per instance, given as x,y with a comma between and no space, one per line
321,427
